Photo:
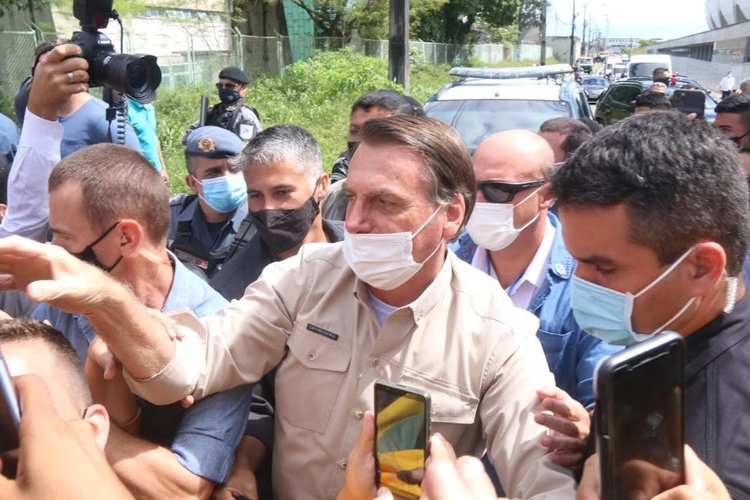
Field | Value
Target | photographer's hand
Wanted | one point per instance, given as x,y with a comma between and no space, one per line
58,75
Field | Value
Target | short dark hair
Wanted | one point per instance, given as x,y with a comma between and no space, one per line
680,181
23,330
738,104
653,100
448,168
389,100
117,182
574,131
660,70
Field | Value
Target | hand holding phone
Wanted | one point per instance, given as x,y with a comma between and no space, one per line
10,413
402,430
639,415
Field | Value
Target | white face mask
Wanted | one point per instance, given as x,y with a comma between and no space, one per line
491,224
384,261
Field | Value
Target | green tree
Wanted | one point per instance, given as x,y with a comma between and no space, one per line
30,6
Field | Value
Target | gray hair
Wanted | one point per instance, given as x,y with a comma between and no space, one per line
282,143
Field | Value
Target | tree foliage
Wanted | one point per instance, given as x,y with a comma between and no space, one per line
30,6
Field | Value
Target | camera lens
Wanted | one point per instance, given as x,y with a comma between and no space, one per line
138,76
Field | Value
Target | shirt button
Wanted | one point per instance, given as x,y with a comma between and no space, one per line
311,356
375,361
343,465
360,415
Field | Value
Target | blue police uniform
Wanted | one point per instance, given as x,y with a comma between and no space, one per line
203,438
194,240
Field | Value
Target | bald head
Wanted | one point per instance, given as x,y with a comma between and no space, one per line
513,156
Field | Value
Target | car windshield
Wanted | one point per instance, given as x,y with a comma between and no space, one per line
644,69
476,120
595,81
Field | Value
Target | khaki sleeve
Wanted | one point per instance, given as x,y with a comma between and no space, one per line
237,346
507,412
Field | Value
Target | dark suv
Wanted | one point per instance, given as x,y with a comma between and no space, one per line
618,101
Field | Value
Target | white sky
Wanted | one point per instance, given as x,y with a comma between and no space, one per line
639,18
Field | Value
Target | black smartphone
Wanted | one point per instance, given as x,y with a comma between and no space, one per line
10,413
639,418
690,101
402,432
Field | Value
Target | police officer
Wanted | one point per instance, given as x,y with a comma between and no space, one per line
203,225
232,113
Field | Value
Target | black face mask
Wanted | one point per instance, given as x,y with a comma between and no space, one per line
228,97
88,255
738,139
282,230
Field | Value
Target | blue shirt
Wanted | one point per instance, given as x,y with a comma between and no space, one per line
210,430
89,126
9,137
143,119
572,354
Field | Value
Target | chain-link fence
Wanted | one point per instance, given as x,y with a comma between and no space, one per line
16,57
197,58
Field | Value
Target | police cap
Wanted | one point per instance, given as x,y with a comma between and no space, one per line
234,74
213,142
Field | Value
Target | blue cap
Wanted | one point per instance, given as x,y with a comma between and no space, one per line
213,142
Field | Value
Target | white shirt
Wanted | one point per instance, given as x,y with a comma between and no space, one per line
28,200
727,83
523,290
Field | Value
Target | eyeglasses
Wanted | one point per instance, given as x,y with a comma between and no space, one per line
504,192
228,86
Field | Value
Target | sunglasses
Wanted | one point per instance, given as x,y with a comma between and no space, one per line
504,192
228,86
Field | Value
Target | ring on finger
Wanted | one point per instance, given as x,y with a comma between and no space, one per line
71,78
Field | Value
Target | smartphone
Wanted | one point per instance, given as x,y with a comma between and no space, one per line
10,413
690,101
402,431
639,418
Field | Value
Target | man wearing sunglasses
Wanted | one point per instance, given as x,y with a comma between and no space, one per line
232,113
512,236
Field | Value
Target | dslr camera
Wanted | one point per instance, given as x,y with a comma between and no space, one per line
137,76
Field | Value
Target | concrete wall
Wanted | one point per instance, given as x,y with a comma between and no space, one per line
709,74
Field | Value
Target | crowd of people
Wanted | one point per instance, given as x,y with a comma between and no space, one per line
224,343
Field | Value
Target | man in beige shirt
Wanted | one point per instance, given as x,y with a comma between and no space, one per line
390,302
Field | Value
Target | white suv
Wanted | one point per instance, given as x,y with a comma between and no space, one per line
486,101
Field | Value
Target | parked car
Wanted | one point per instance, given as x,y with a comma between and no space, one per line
595,86
618,101
489,100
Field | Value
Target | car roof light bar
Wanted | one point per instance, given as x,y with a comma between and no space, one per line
510,73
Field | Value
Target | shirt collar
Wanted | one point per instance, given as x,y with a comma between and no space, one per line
536,271
429,298
180,290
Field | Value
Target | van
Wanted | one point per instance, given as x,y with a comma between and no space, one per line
643,65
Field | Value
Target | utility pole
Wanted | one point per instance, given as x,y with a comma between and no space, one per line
573,36
543,33
398,43
584,48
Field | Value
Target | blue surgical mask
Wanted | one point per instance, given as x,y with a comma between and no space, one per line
224,194
606,314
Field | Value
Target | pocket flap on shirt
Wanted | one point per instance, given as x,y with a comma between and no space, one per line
450,404
317,352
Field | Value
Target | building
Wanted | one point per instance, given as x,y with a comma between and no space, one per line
708,55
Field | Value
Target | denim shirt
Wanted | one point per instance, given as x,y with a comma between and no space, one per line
572,354
209,431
